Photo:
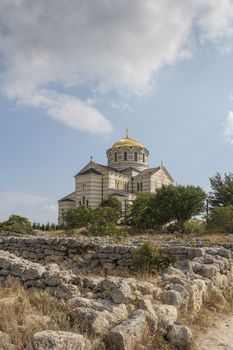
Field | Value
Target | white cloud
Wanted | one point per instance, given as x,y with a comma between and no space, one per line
35,207
228,128
50,208
101,44
69,110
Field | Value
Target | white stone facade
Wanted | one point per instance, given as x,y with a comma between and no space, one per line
126,175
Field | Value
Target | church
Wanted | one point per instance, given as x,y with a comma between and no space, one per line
126,175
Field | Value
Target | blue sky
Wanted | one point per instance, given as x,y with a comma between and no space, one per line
69,92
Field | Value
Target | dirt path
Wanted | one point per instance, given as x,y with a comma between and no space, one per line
220,337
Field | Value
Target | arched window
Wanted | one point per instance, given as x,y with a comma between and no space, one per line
143,157
135,156
125,155
138,188
115,157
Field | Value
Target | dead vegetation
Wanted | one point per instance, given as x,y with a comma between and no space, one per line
23,314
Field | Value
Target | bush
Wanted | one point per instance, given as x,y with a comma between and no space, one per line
77,217
194,226
17,224
221,219
102,221
150,258
115,204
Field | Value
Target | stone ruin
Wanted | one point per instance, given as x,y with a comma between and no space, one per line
117,310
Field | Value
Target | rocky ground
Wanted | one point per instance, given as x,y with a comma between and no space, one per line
218,337
104,311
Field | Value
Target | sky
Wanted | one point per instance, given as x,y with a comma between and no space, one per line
75,74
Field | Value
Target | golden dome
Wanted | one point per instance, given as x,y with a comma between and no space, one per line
127,142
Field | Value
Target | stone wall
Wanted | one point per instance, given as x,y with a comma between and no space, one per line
91,253
117,310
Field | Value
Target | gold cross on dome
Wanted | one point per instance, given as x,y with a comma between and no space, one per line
127,133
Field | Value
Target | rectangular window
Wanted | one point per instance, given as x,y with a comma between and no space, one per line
83,200
141,186
137,186
87,203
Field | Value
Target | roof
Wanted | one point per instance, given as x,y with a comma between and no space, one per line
117,194
152,171
130,169
89,171
109,168
127,142
149,171
68,198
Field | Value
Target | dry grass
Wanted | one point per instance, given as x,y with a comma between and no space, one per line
212,312
121,236
23,314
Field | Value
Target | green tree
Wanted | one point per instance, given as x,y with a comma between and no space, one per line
139,216
18,224
115,204
222,190
77,217
102,221
221,219
53,227
176,203
34,225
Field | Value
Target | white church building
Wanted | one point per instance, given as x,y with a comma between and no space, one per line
126,175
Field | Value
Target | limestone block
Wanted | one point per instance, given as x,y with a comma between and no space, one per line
92,281
180,336
172,297
66,291
129,333
220,280
91,321
34,272
167,314
208,271
122,293
58,340
225,253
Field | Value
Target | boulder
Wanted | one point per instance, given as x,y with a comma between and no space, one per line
167,315
122,293
91,321
66,291
118,289
129,333
208,271
58,340
197,292
33,272
172,297
180,336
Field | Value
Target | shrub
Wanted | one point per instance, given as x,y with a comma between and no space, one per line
221,219
150,258
194,226
102,221
115,204
18,224
77,217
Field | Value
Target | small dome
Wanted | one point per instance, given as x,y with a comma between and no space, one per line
127,142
